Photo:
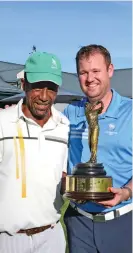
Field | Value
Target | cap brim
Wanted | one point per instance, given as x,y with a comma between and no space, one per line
38,77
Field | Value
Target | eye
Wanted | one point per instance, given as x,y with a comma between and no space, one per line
51,90
96,70
37,90
82,73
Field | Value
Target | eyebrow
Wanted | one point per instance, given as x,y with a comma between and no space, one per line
42,84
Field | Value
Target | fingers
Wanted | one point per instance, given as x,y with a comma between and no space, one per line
107,203
6,106
115,190
117,197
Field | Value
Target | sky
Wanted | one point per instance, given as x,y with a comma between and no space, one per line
62,27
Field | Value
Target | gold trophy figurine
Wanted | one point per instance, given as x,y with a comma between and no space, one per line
89,180
92,119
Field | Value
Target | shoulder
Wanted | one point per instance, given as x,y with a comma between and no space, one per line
121,106
64,119
126,105
121,101
125,101
59,116
74,109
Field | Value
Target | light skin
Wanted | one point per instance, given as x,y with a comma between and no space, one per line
94,77
119,196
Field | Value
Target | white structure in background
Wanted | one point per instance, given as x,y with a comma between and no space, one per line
20,75
70,89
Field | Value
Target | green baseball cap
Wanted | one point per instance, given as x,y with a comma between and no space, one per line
42,66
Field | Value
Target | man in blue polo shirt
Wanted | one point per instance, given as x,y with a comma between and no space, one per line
104,227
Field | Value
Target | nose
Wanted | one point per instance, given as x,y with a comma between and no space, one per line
43,94
90,77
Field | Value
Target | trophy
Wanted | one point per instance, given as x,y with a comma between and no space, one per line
88,180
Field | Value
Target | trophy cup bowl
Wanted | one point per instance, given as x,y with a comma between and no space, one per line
88,180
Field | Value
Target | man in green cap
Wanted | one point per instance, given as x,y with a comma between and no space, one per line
33,160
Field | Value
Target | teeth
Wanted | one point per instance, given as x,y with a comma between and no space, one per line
92,85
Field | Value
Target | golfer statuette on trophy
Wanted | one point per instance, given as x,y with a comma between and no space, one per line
89,180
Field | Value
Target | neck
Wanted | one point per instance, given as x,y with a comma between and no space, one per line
106,101
28,114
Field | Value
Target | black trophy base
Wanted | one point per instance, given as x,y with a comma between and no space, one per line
91,169
89,196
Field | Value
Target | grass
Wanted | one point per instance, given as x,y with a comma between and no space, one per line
63,209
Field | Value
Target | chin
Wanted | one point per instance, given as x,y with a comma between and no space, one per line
39,115
93,97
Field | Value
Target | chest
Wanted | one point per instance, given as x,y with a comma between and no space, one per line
114,139
34,146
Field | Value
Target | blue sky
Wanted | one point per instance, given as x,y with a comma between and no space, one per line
63,27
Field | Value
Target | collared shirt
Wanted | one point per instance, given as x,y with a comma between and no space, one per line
114,143
32,159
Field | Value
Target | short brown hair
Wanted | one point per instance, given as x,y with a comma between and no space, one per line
86,51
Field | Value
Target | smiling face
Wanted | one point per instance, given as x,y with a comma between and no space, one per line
94,76
39,99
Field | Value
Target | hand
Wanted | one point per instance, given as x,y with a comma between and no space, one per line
6,106
119,196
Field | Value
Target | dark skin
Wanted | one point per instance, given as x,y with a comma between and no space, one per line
39,99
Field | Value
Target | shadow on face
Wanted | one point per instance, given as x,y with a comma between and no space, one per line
39,97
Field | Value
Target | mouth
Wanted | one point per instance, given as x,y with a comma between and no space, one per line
41,106
92,86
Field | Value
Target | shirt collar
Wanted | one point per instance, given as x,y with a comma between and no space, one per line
112,111
57,117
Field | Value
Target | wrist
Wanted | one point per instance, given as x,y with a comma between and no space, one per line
127,192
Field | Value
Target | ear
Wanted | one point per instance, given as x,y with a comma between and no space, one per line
111,70
23,84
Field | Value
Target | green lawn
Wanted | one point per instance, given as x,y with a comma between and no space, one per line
63,211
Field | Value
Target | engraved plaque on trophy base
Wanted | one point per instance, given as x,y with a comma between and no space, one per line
88,182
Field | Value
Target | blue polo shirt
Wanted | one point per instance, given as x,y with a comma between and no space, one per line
114,143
